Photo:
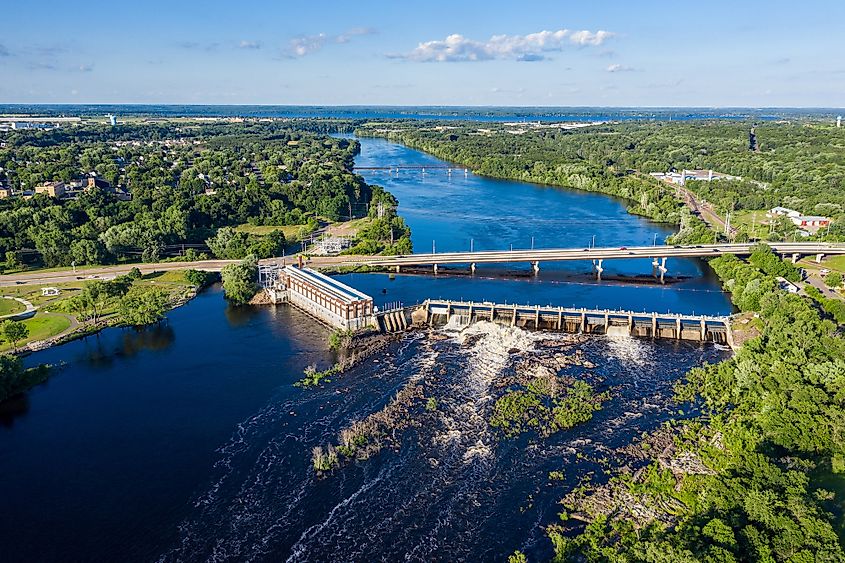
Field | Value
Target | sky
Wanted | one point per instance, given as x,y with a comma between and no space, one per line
718,53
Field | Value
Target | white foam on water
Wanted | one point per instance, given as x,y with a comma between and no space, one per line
629,349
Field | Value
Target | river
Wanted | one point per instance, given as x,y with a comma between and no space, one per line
188,441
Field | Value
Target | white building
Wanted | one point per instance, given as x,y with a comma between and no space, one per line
787,285
681,178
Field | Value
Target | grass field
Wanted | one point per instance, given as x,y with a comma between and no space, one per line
835,263
292,232
41,326
10,307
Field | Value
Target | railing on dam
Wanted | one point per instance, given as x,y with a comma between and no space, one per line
702,328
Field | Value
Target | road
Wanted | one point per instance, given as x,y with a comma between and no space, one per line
567,254
487,257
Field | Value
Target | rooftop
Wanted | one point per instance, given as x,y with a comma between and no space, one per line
341,291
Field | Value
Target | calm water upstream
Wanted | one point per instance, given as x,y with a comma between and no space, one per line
187,441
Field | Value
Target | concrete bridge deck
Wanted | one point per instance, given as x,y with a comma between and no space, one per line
658,254
607,253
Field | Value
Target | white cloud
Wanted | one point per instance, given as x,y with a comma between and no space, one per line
531,47
619,68
249,44
308,44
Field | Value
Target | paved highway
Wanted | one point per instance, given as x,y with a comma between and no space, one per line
501,257
560,254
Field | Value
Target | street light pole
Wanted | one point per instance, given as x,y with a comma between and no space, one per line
532,243
433,247
654,242
471,245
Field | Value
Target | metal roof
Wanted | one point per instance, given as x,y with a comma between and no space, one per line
340,290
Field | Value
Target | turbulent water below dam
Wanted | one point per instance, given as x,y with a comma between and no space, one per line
451,487
187,441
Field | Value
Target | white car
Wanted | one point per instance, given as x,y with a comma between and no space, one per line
824,271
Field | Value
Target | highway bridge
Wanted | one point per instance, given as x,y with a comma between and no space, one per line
657,254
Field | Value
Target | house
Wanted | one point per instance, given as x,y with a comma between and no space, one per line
782,212
681,178
811,221
5,192
52,189
92,182
787,285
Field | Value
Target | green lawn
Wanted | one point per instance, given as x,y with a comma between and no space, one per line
10,307
749,219
291,232
41,326
835,263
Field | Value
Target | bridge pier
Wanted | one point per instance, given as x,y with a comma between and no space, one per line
435,269
630,324
583,322
598,266
398,268
513,319
662,269
703,330
536,267
678,328
819,257
795,258
560,318
654,325
472,268
537,318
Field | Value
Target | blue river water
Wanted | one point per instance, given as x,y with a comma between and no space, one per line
187,441
458,211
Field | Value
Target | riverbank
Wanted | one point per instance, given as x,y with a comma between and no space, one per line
179,291
645,197
223,462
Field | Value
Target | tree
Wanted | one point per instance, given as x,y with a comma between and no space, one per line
198,278
240,281
833,279
13,332
143,307
13,260
86,251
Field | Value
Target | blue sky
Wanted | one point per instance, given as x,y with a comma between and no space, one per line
498,52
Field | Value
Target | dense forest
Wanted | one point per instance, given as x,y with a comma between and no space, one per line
748,481
801,165
186,180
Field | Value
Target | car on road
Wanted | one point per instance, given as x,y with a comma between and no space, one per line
824,271
623,248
